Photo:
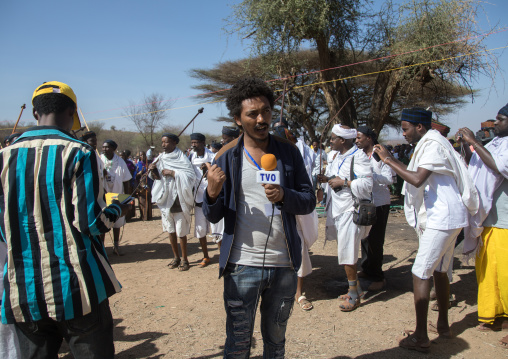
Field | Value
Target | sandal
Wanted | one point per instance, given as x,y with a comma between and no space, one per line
184,265
348,305
408,341
204,262
433,329
174,263
452,302
305,304
486,327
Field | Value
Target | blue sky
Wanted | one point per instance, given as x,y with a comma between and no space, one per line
111,52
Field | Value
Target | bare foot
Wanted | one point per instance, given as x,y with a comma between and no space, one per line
503,343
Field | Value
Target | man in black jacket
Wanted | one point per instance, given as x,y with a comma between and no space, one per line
261,251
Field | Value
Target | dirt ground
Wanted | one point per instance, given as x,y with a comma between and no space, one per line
164,313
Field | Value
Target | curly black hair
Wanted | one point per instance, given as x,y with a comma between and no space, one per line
244,89
52,103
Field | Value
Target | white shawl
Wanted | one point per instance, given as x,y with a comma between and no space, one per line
308,223
200,181
360,186
487,182
308,156
166,189
452,165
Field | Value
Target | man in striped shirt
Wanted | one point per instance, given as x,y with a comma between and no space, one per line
58,278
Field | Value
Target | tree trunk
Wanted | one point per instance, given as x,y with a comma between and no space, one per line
385,91
336,92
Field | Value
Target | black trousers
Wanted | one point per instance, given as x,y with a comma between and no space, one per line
372,246
89,337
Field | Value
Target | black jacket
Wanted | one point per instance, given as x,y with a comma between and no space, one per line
298,199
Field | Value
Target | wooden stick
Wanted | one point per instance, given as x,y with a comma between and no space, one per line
88,129
83,117
283,96
16,125
199,111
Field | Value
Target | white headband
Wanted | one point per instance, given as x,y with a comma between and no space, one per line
345,133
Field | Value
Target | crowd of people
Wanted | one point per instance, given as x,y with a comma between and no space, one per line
55,211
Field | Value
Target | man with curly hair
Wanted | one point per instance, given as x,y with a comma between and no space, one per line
261,250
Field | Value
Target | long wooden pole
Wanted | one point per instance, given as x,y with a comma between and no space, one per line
88,128
83,117
283,96
199,111
19,117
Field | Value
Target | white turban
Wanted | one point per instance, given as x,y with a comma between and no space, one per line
345,133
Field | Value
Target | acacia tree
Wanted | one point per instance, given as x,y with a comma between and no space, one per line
341,34
149,116
279,28
305,105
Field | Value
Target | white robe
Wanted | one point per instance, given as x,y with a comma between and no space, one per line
451,164
360,186
307,225
118,173
165,190
200,183
487,182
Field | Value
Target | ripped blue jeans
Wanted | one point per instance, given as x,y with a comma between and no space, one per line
243,288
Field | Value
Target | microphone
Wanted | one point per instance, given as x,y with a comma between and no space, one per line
267,175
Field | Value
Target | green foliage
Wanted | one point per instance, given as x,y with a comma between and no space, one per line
348,31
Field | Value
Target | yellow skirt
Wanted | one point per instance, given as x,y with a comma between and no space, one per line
492,275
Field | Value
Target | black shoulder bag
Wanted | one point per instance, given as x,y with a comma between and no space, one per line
364,213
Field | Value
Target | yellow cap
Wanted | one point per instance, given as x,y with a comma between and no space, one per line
59,87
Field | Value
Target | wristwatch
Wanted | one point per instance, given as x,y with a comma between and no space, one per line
345,182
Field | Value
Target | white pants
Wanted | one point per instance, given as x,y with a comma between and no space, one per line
306,266
349,236
174,223
120,222
201,224
435,252
9,346
217,228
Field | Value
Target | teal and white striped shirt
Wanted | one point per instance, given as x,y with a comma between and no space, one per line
51,215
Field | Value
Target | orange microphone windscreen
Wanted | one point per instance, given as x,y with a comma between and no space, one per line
268,162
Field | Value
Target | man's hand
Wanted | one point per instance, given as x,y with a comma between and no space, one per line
152,166
464,134
203,166
336,182
382,152
216,179
274,192
322,178
125,208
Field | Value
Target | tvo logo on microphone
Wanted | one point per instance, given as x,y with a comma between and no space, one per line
267,175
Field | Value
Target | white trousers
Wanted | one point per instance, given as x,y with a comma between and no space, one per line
435,252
